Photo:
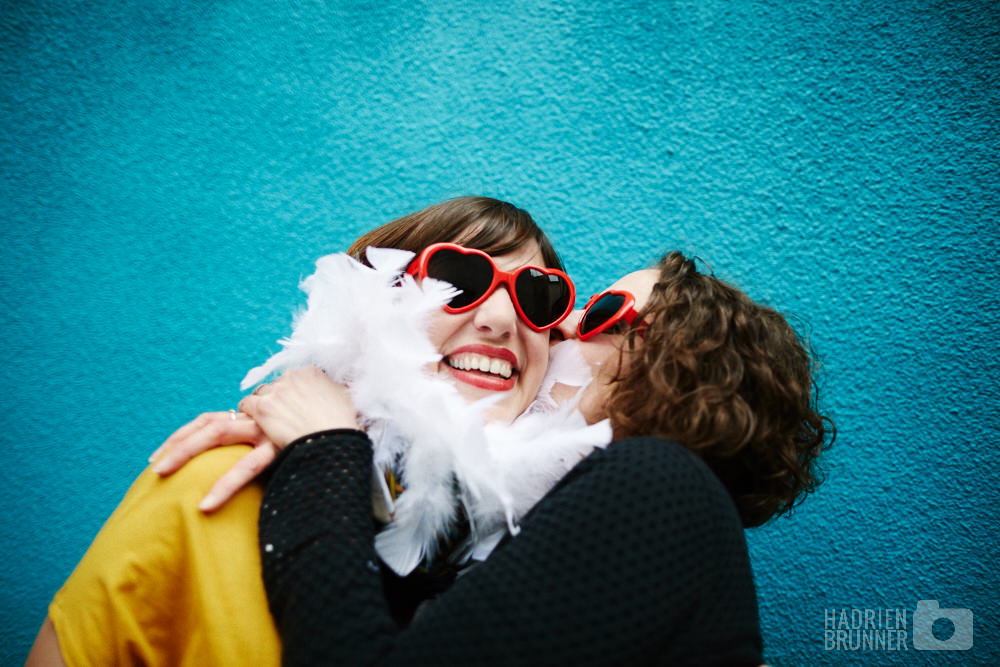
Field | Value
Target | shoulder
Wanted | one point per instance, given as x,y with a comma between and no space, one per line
197,476
645,485
169,505
151,580
648,450
159,517
166,498
156,510
663,464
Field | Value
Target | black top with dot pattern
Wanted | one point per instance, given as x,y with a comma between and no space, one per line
636,557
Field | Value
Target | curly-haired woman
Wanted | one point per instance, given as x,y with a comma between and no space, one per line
704,365
636,557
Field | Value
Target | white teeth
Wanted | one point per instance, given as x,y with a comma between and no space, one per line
478,362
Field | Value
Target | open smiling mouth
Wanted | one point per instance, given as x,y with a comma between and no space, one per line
482,371
478,362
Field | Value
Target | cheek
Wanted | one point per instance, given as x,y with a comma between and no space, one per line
441,326
601,356
536,347
603,359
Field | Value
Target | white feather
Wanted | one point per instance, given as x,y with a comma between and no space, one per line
366,327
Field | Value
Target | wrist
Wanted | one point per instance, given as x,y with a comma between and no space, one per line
326,434
318,439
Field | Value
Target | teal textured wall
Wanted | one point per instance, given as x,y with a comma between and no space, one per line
169,171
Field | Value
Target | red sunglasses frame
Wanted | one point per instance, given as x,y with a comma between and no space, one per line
625,312
418,269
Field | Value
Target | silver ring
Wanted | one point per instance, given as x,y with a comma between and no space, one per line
232,414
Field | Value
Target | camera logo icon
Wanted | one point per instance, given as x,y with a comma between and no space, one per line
924,618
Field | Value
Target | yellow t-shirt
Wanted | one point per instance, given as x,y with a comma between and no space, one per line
164,584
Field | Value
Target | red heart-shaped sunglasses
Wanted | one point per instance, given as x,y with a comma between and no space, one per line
541,296
605,311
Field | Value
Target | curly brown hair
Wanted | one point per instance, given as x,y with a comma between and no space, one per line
732,382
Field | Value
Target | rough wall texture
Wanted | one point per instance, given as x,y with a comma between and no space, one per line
169,170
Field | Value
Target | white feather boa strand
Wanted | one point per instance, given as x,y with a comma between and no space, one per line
367,329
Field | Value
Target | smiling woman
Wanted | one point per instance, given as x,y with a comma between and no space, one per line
149,585
493,337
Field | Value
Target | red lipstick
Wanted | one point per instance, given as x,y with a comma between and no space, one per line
482,379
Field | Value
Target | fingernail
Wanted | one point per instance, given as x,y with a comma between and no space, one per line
207,503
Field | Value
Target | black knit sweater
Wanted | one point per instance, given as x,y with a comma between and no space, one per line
636,557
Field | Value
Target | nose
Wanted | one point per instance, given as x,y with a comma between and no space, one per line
568,326
496,315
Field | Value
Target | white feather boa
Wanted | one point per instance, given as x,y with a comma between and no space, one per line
367,329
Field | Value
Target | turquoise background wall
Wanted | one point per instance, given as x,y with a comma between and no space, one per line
169,171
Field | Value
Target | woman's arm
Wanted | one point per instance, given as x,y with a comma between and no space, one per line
45,651
637,556
300,401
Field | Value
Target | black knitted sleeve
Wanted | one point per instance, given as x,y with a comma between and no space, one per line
636,557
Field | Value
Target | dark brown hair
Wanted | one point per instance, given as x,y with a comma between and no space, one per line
493,226
730,380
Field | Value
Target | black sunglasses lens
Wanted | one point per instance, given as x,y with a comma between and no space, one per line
543,297
601,311
472,274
